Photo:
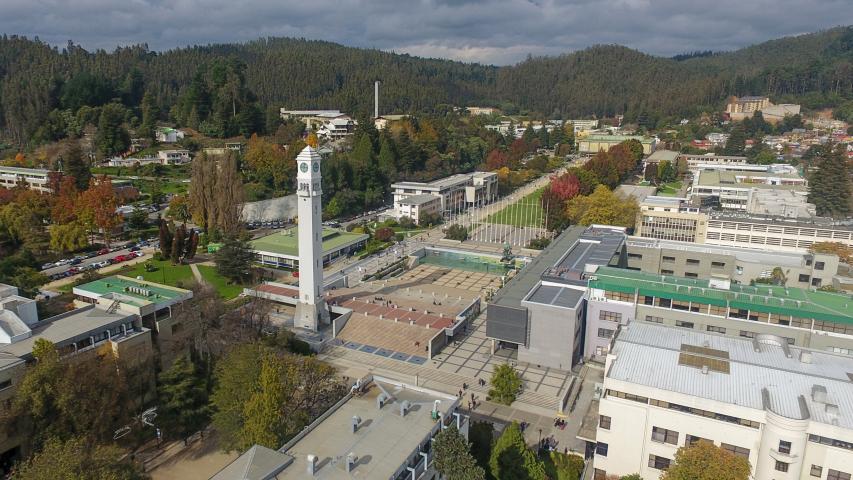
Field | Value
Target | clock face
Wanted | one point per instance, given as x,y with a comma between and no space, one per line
316,167
303,166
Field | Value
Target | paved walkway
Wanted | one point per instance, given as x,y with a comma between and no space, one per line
197,274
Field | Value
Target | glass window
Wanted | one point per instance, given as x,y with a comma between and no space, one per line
653,319
739,451
609,316
659,463
715,329
680,323
818,265
803,278
816,471
784,447
836,475
781,466
605,333
664,436
601,449
604,422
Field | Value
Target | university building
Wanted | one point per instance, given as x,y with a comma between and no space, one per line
787,409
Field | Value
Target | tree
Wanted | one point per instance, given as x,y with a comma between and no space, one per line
150,112
633,476
560,466
234,259
183,402
165,236
506,384
829,186
75,166
112,137
69,237
666,171
179,208
78,459
191,245
512,460
264,421
736,144
457,232
706,461
138,219
452,457
98,207
178,244
236,375
384,234
602,207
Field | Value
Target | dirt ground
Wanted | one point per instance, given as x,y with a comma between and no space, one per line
200,461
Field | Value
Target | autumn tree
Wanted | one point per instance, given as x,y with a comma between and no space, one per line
65,201
78,458
602,207
452,457
68,237
179,208
705,461
98,207
270,163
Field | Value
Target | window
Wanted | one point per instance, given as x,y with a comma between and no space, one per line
5,384
653,319
599,474
610,316
667,272
718,264
784,447
682,324
691,275
831,442
816,471
627,396
604,422
781,466
659,463
663,435
803,278
836,475
739,270
605,333
635,255
668,259
739,451
689,440
692,261
712,328
601,449
816,282
818,265
664,302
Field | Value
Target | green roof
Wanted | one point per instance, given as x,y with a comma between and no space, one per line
286,241
797,302
136,292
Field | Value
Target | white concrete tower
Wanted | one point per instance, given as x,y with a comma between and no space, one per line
311,311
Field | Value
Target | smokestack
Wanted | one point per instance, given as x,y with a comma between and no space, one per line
376,99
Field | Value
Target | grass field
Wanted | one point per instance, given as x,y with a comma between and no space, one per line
669,189
175,275
217,281
526,212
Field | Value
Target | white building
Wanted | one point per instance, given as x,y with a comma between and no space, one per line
416,206
168,135
456,192
174,157
583,125
694,161
37,179
336,128
788,410
311,311
481,110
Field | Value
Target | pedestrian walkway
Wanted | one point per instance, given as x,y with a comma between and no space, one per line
197,274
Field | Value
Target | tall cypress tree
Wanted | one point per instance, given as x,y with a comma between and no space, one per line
829,188
736,143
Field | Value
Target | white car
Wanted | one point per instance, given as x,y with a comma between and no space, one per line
46,266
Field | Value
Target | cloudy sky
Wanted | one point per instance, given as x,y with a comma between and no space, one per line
490,31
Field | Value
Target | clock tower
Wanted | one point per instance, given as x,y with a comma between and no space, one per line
311,310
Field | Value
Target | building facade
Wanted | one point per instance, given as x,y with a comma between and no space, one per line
417,207
456,192
787,410
595,143
36,179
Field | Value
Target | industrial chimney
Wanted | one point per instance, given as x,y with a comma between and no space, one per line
376,99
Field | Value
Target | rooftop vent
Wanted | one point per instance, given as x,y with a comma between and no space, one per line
805,357
356,421
818,393
704,369
312,464
405,407
381,399
831,409
351,461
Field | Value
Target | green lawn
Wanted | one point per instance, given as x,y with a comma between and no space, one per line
526,212
175,275
217,281
669,189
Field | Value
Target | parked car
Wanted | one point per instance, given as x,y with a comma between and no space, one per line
76,261
46,266
103,251
135,249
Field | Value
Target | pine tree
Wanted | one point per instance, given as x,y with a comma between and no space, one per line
452,456
736,143
150,112
182,399
75,166
512,460
829,187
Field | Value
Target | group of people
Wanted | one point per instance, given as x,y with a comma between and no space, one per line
560,423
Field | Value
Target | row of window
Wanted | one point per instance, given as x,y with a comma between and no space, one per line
610,316
809,232
684,409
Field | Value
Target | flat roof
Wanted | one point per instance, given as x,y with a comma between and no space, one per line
779,221
615,138
565,297
725,178
661,155
597,245
382,443
420,199
31,171
131,291
834,307
70,326
648,354
286,242
440,183
788,259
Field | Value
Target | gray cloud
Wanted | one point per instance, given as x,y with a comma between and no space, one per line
489,31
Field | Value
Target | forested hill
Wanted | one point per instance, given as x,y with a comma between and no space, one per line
601,80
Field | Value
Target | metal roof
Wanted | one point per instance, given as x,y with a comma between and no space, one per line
556,296
648,354
796,302
419,199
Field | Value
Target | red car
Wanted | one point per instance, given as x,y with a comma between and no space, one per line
119,258
103,251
